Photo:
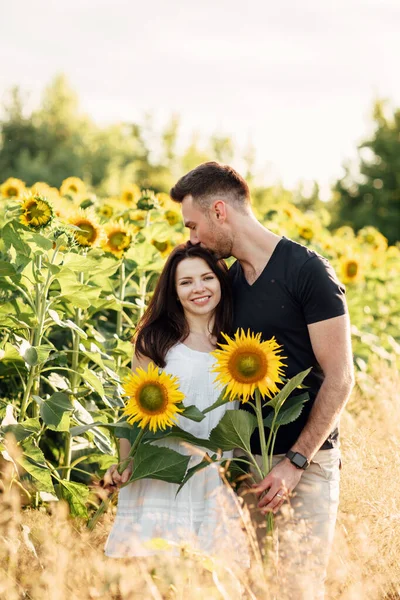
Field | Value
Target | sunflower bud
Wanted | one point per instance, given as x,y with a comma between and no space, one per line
147,201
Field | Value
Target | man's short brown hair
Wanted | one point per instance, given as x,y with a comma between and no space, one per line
211,179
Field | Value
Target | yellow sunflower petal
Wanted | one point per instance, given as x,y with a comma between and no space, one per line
351,269
119,238
72,186
130,194
37,212
12,188
153,398
246,363
90,233
164,247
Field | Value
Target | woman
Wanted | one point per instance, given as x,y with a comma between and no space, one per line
190,307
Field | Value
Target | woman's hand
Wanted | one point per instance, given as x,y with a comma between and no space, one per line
112,479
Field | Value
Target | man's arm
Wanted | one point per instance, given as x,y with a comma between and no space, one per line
331,342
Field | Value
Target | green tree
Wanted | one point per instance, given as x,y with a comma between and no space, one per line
372,196
57,141
17,132
49,144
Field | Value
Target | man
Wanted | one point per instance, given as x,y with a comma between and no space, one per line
285,290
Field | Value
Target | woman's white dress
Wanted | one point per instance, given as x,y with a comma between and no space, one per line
204,514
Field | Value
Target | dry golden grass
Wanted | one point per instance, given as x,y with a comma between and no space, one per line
365,561
50,556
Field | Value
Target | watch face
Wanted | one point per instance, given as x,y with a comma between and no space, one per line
299,460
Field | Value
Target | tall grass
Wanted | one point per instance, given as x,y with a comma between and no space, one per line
45,554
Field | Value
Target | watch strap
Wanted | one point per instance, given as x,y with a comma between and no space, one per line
298,460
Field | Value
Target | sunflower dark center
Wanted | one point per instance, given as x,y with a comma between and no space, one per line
119,240
129,196
12,191
151,398
35,212
352,268
87,231
248,367
306,232
172,217
161,246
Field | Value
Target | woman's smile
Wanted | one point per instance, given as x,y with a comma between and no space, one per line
201,300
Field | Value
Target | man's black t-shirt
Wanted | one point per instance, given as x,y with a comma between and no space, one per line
297,287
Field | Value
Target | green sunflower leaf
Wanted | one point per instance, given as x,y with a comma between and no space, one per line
193,413
289,412
234,430
154,462
219,402
76,494
277,401
206,462
33,462
180,434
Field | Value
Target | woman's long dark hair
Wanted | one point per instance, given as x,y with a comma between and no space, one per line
163,324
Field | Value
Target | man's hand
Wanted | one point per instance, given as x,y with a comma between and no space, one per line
279,483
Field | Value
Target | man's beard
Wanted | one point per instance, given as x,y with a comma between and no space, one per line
222,247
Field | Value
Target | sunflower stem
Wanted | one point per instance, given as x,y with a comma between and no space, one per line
121,297
266,452
273,445
101,510
132,451
32,385
261,432
143,279
271,440
75,377
122,466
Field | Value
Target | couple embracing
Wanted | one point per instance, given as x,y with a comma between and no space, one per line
280,289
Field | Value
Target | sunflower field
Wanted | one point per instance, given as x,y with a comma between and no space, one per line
76,273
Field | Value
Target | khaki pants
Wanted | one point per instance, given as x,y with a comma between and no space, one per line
305,526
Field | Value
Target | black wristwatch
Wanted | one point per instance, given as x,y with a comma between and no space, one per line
298,460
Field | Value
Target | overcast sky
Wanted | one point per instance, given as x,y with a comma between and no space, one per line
297,79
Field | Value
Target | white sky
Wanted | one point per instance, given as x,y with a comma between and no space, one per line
296,78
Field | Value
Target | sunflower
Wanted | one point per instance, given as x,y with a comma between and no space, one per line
345,232
37,211
153,398
290,211
119,238
246,363
62,207
165,201
306,232
164,248
63,239
105,211
372,237
72,186
12,188
393,253
147,201
138,216
350,270
130,194
40,187
172,217
90,233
